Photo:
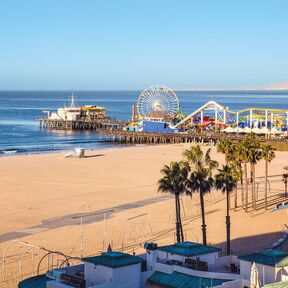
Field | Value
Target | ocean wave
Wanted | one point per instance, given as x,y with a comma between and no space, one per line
53,147
30,150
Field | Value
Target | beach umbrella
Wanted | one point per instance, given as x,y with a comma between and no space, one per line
246,130
265,130
229,129
254,277
256,130
275,131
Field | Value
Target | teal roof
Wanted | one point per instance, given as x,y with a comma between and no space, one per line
188,249
34,282
181,280
113,259
282,284
271,257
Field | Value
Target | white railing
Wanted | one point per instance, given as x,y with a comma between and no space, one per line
168,269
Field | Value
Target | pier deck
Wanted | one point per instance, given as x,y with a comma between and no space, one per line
159,138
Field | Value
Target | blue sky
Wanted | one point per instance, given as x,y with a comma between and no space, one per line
119,44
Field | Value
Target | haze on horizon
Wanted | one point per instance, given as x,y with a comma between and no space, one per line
129,45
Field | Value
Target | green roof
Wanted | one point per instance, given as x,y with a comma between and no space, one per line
181,280
39,281
282,284
113,259
271,257
188,249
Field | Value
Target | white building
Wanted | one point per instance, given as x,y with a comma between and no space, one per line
71,113
189,264
113,269
272,265
181,265
108,270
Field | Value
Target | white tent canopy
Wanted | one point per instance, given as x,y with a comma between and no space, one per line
256,130
274,130
265,130
228,129
246,130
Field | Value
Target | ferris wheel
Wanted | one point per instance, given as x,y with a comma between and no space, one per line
157,99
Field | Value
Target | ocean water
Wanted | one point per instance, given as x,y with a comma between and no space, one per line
20,132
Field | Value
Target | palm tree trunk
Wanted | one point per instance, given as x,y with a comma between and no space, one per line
177,219
180,222
254,186
242,192
203,218
235,199
251,187
246,186
228,224
252,176
266,183
285,188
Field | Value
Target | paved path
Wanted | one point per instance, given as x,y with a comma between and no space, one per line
74,219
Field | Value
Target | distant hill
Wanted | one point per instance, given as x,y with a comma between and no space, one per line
275,86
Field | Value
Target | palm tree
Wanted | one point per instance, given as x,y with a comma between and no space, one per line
285,181
268,154
233,155
173,182
226,182
224,147
200,180
237,174
242,156
253,153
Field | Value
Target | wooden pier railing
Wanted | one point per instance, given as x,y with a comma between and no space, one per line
158,138
82,124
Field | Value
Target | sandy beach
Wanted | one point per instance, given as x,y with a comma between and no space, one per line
42,197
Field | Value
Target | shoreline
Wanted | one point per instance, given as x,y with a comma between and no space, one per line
110,145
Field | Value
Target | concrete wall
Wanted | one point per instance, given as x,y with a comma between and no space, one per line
127,276
151,259
144,277
97,274
227,260
122,277
234,284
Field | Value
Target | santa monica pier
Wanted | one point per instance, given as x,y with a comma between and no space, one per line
157,118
